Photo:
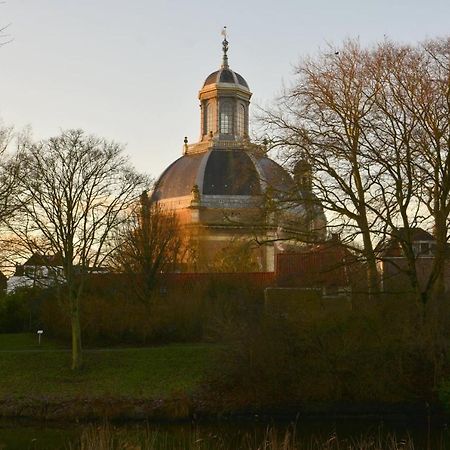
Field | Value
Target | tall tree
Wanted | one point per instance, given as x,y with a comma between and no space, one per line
374,125
320,120
8,173
429,102
148,243
75,190
408,142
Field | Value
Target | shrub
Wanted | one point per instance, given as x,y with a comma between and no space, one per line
199,311
375,354
19,311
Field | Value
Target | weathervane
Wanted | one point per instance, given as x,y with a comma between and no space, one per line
224,48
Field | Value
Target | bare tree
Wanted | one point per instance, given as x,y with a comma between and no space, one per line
75,190
9,167
4,37
8,173
239,255
408,143
429,102
320,120
374,126
393,153
148,243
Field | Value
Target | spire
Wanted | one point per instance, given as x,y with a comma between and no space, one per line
225,49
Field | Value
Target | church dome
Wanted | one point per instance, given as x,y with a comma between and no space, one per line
226,76
218,172
225,188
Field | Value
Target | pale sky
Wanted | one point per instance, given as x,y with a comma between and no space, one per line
131,70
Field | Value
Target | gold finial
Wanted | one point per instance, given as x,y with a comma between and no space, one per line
224,48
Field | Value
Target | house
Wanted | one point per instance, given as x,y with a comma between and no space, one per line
3,282
393,264
38,271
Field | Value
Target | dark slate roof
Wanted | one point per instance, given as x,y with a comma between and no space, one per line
274,175
417,234
225,76
179,178
36,259
221,172
230,173
393,247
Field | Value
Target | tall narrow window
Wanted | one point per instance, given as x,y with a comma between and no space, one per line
208,118
226,118
241,120
206,110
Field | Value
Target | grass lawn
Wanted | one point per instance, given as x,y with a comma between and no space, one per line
27,341
27,370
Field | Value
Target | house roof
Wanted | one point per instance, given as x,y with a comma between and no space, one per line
392,248
415,234
37,259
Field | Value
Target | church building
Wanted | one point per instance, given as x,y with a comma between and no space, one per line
225,189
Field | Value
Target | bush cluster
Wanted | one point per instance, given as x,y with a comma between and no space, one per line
20,311
114,315
374,354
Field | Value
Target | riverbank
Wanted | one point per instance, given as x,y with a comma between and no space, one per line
36,380
165,383
28,370
182,407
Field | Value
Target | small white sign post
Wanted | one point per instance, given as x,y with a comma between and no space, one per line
40,333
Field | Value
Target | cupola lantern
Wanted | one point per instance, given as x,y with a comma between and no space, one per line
224,102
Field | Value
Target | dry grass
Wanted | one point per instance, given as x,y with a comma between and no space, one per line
107,438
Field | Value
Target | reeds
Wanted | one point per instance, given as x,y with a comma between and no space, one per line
106,437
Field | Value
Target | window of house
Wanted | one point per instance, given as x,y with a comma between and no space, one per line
424,248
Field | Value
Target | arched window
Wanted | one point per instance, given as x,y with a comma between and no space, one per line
241,120
226,118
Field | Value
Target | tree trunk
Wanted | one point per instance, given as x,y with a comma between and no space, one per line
373,286
372,277
77,356
436,282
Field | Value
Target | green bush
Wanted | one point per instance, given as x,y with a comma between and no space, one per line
373,354
19,311
115,315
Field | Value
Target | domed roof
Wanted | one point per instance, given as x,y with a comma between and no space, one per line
226,75
218,172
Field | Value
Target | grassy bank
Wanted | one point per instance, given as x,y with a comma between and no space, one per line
28,370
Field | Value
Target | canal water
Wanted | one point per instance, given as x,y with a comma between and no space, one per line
358,434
